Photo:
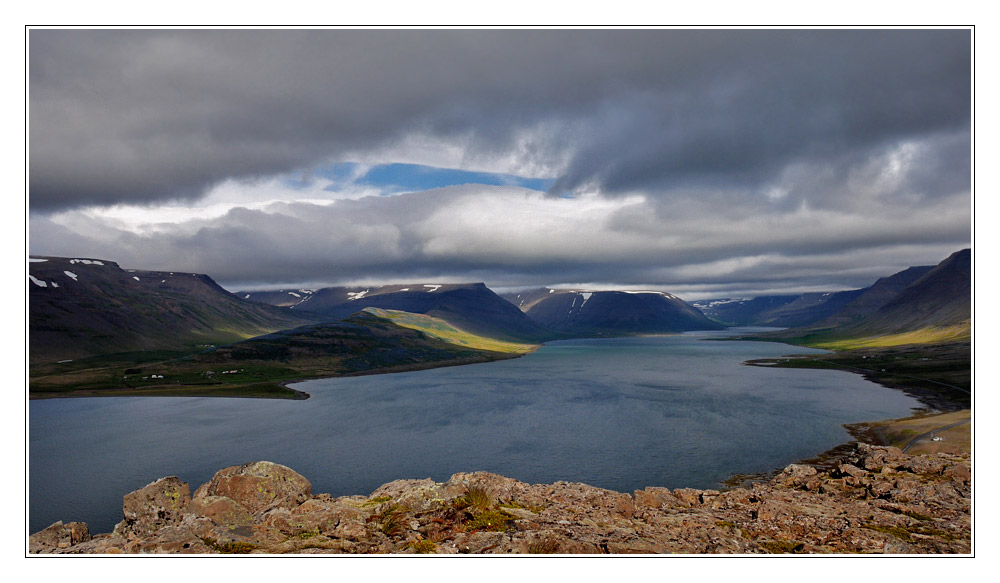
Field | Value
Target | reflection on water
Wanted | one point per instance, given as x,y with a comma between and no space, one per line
616,413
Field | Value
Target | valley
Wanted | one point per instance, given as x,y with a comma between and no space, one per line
616,361
478,283
102,330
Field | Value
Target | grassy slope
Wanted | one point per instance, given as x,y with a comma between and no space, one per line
938,374
442,330
839,340
376,341
956,439
928,335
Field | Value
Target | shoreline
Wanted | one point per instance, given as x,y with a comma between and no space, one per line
162,391
868,432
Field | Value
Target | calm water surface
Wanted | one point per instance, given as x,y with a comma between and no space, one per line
621,414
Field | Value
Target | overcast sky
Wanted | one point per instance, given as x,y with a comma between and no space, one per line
704,163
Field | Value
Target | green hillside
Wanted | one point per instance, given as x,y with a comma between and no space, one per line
373,341
438,328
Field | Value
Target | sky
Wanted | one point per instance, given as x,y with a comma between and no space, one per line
706,163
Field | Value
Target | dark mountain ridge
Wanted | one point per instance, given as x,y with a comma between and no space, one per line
935,306
813,309
610,313
807,308
87,307
940,298
472,307
741,311
872,298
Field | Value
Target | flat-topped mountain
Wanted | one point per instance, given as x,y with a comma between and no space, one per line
87,307
472,307
286,298
609,313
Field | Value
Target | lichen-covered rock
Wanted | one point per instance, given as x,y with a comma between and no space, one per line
876,500
169,540
258,486
655,497
796,476
58,536
221,510
152,507
874,458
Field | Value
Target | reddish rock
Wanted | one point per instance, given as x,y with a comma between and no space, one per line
58,536
655,497
152,507
258,486
221,510
878,500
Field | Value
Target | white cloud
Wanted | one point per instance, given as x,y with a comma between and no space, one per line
511,236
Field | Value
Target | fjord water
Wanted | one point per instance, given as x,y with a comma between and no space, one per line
622,414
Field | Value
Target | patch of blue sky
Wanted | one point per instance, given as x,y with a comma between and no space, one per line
338,174
414,177
396,178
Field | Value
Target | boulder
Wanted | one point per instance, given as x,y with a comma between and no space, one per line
874,458
153,506
58,536
655,497
221,510
911,504
258,486
169,540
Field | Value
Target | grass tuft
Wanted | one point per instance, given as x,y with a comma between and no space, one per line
492,520
423,547
545,546
479,498
781,547
391,520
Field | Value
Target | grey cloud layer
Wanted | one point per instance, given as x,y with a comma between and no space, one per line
508,236
119,116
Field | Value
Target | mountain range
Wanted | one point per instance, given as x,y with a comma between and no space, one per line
916,305
935,307
472,307
84,307
809,308
610,313
81,307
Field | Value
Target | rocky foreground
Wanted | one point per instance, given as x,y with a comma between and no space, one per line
878,500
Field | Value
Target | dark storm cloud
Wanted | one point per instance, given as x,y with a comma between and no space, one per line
142,116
